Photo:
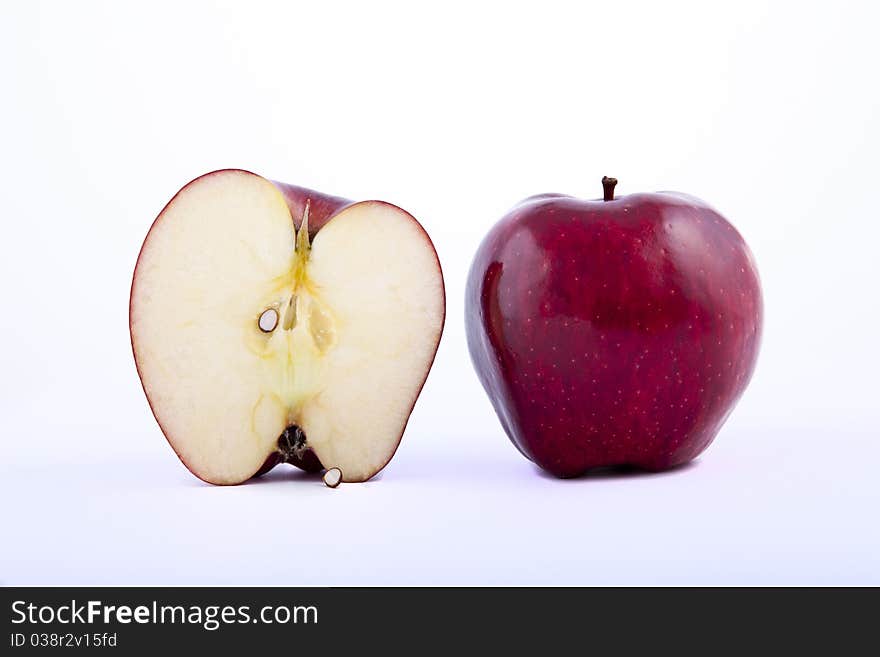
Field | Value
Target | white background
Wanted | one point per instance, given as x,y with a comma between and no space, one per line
770,111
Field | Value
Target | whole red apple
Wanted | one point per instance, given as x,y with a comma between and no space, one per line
619,331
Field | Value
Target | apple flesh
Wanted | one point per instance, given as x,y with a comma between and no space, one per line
272,324
620,331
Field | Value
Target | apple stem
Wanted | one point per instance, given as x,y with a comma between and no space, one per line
608,187
302,236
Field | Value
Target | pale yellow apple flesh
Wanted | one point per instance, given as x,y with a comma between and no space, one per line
242,328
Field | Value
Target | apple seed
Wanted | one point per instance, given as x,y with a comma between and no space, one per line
268,320
333,477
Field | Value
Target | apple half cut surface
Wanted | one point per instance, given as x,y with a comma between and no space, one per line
272,324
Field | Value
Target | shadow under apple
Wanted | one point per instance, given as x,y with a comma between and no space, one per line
617,472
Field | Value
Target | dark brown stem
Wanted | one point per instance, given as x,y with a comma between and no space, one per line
608,187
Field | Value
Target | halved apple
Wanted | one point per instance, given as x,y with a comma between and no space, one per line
272,324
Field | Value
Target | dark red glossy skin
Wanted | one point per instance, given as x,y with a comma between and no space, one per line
614,332
322,207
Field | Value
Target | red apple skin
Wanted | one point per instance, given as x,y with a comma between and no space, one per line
616,332
322,207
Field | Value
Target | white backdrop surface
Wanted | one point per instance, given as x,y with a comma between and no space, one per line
769,111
